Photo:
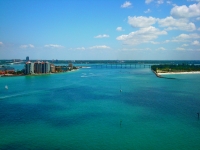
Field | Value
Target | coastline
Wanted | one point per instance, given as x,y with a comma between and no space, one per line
191,72
36,74
10,75
159,76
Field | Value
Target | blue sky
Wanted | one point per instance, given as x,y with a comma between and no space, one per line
100,29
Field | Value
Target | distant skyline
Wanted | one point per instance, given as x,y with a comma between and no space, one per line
100,29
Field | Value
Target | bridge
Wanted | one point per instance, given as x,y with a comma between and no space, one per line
124,65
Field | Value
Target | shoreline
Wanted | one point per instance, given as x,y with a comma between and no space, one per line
191,72
39,74
157,75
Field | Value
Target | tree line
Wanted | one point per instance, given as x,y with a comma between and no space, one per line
175,68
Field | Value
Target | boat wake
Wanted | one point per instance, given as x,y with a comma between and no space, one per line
19,94
86,67
85,75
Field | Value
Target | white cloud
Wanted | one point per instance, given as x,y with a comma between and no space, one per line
185,37
102,36
177,24
23,46
128,49
198,18
147,11
198,29
91,48
31,46
184,45
141,21
166,41
160,2
53,46
135,49
161,49
195,42
148,49
99,47
148,1
27,46
186,12
119,29
143,35
153,42
126,4
169,22
80,48
169,2
1,43
157,1
180,48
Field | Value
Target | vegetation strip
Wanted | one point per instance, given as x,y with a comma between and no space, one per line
179,68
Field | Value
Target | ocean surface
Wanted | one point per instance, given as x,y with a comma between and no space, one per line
85,109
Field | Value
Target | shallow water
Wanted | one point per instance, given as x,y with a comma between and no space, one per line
85,109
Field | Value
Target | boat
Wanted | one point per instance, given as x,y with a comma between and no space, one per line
6,87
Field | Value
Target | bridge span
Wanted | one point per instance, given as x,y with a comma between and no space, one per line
117,65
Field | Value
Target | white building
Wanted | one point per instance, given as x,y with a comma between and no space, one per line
29,68
37,67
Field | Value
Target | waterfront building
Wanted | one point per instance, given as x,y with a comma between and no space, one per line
52,68
58,69
16,60
27,58
38,67
70,66
41,67
6,69
45,67
48,67
29,68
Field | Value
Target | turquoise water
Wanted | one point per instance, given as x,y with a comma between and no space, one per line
85,110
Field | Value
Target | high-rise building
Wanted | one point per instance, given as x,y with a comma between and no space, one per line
27,58
38,67
47,67
29,68
41,67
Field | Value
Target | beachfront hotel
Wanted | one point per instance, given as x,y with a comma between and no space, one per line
37,67
29,68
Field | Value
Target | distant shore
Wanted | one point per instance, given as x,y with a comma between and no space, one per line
159,75
168,69
190,72
12,75
36,74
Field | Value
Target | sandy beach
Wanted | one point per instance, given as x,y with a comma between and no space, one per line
191,72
